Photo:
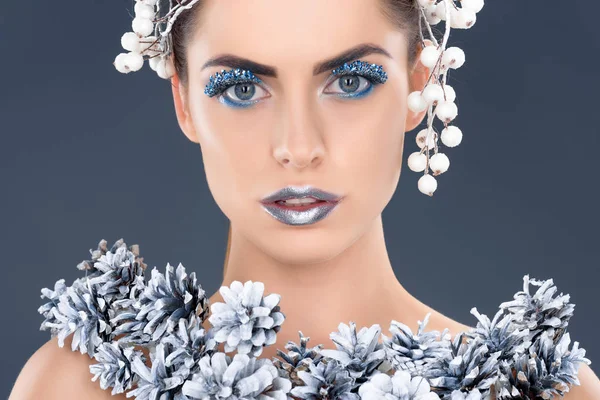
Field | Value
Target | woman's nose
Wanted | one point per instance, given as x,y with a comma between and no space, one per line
299,141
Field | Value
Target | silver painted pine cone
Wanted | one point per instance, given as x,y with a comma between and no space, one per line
82,312
114,269
546,371
168,298
160,381
360,353
470,366
114,366
247,321
416,353
540,311
220,377
297,358
400,386
325,380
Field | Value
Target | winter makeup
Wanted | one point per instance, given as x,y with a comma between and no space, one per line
237,87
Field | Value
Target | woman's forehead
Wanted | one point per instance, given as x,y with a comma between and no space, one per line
288,33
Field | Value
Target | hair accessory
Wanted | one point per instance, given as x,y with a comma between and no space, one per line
151,38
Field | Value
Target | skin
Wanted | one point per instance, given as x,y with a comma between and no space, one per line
338,269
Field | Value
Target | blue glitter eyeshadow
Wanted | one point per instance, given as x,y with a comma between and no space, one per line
373,72
222,80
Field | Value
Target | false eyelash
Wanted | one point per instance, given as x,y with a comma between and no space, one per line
372,72
222,80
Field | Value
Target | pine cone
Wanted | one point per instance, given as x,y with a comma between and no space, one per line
114,270
359,353
415,353
222,378
82,312
128,330
474,394
325,380
541,312
298,358
114,366
500,334
400,386
470,366
160,381
50,322
247,321
547,370
166,299
190,343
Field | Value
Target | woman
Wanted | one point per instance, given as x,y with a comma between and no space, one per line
285,125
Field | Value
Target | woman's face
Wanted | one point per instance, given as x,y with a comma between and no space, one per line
343,135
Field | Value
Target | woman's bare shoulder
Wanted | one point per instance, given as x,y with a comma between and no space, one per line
53,372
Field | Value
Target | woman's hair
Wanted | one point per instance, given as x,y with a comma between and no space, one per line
404,14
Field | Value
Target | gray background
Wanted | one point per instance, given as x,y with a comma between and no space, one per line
89,153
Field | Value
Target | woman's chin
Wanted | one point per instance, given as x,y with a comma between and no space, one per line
302,246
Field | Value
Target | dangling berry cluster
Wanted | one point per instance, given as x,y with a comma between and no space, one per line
436,93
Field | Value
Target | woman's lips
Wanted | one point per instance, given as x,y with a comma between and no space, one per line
300,207
303,214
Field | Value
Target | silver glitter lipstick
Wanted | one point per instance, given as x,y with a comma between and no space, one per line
300,213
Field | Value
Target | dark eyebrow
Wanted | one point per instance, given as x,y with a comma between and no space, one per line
232,61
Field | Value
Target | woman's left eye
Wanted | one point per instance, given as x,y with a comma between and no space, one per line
352,86
240,94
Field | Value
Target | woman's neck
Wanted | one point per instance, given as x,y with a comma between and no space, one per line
357,285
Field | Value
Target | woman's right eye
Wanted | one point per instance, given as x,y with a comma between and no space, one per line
241,94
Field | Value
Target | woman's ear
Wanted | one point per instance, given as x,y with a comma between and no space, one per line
182,110
418,77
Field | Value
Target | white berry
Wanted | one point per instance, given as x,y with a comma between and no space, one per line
130,41
426,3
473,5
143,10
431,14
446,111
153,62
450,93
454,57
463,18
134,61
142,26
417,161
451,136
416,102
439,163
150,2
164,68
429,56
433,93
427,184
421,137
119,63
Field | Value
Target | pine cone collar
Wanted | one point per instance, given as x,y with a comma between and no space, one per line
523,351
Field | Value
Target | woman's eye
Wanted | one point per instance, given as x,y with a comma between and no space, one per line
241,94
351,86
